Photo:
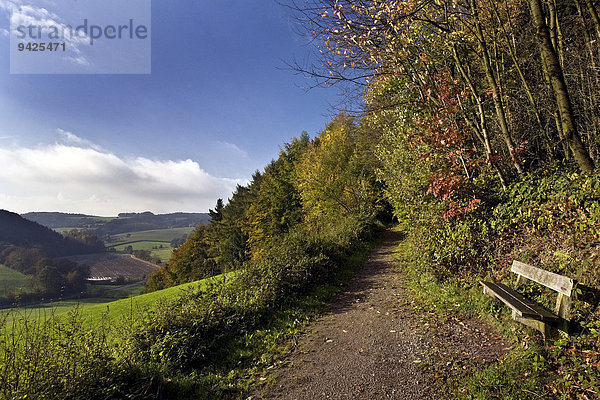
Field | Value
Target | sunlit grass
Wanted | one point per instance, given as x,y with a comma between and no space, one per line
13,281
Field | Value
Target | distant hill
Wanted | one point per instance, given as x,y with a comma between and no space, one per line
124,222
132,222
18,231
55,220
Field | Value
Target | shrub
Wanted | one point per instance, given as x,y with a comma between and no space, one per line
194,330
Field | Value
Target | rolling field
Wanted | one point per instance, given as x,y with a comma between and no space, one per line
158,235
146,240
164,253
99,310
13,281
100,294
114,292
110,265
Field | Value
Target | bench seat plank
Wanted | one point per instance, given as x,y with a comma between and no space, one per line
521,305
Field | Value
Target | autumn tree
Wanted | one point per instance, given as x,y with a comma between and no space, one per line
482,45
334,178
277,205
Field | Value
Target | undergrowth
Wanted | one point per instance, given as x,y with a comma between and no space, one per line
550,220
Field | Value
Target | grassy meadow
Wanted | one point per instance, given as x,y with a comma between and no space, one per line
13,281
161,250
156,235
99,309
150,240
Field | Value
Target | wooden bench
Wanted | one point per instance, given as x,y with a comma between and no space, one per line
528,312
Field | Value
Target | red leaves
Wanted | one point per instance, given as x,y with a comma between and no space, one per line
445,186
456,211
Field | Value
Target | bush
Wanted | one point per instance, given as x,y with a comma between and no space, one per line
194,330
551,219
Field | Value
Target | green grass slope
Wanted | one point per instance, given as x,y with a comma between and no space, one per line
164,253
13,281
98,310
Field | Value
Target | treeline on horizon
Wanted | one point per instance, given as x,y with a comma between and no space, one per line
103,227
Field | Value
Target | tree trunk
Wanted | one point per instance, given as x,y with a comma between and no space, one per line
497,96
556,33
563,101
509,38
594,15
480,131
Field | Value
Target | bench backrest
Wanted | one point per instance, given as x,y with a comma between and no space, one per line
556,282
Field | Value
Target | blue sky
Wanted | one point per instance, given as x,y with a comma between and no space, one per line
217,105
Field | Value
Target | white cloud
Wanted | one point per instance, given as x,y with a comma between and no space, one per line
77,177
232,148
71,138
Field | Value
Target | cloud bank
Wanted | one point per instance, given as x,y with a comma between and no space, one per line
77,176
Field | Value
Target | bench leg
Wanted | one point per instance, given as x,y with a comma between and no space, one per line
543,327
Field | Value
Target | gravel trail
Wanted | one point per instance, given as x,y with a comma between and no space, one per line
370,344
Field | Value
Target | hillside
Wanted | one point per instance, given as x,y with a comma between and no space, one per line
124,222
96,311
18,231
110,266
56,220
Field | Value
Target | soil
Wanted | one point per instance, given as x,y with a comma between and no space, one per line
111,266
371,343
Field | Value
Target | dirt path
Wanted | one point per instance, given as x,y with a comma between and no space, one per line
370,344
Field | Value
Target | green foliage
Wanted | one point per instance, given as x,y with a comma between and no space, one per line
55,360
57,277
217,213
520,376
86,237
549,219
276,207
334,177
550,201
192,331
189,262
